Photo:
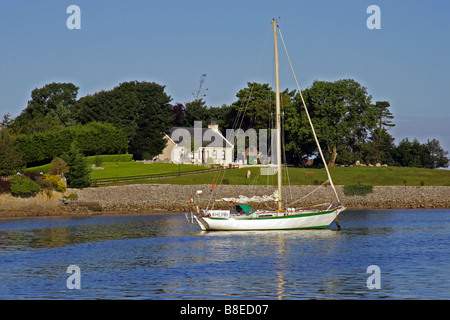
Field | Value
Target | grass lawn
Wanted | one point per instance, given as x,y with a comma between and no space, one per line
389,176
384,176
127,169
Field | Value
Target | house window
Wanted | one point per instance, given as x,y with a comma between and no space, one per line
223,154
215,154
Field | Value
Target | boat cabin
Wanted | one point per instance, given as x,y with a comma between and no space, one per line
243,209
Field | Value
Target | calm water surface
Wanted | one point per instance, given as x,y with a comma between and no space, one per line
164,257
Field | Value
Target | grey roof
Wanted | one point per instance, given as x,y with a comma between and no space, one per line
207,137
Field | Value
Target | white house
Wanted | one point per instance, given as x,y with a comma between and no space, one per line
197,145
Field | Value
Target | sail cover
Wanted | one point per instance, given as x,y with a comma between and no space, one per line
244,199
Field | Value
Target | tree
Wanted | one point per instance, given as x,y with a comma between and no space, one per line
10,157
379,149
220,115
196,111
119,106
62,114
154,118
407,153
7,121
436,156
255,107
427,155
178,112
79,173
141,109
342,115
384,117
58,167
49,107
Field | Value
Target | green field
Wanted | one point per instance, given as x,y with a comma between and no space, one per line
375,176
127,169
385,176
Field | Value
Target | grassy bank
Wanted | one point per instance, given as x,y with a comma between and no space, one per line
375,176
385,176
127,169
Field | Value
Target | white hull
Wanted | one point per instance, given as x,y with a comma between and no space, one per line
245,218
295,220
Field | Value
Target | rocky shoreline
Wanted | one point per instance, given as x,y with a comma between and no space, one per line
160,198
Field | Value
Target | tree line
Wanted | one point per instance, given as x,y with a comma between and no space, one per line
132,117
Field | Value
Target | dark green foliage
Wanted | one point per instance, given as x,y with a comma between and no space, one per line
49,108
58,167
23,186
342,114
109,158
10,157
414,154
178,112
196,111
357,190
98,161
4,186
99,138
153,119
133,116
93,138
141,109
79,173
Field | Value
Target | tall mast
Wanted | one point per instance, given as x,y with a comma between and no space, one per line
278,115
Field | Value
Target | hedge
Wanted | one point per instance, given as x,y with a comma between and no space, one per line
91,139
110,158
89,160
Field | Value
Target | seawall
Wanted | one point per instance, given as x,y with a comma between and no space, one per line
162,198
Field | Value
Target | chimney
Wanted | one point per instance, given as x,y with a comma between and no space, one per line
213,126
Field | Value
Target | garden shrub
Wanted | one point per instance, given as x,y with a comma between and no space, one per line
79,173
4,186
55,182
357,190
58,167
23,186
98,161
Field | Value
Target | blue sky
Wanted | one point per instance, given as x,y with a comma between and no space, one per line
174,42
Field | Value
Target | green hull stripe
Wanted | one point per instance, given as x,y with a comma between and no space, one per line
283,217
317,227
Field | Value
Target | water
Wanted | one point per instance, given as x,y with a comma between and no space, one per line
164,257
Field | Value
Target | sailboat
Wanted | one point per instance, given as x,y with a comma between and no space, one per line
241,216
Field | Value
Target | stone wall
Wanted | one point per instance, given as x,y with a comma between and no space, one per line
146,198
175,198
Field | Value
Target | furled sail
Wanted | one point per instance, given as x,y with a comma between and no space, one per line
244,199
